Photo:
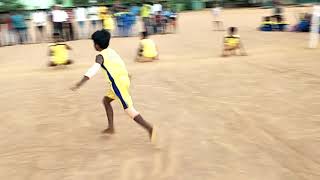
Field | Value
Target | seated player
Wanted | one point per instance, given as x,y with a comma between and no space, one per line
304,24
148,50
232,43
281,25
266,24
58,51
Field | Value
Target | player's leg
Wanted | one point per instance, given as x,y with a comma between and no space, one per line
122,92
109,111
136,116
225,51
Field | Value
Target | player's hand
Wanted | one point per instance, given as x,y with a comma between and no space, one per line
75,88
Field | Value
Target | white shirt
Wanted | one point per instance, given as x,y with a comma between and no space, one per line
39,18
156,8
216,11
81,14
59,16
93,13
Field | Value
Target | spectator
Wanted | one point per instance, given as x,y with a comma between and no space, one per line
145,15
108,23
102,12
10,34
156,8
39,18
68,26
2,33
135,10
20,27
81,18
58,17
93,14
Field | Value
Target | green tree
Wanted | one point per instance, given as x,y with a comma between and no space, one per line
10,5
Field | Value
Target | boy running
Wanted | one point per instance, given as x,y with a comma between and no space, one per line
117,75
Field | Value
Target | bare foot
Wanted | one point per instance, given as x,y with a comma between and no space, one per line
153,136
108,131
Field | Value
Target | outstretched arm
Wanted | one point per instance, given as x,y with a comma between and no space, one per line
90,73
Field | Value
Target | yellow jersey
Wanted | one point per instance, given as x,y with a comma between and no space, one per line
59,54
145,10
149,49
117,75
108,22
102,12
113,65
232,40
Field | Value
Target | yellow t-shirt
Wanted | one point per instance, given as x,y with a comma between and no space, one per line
117,75
149,49
108,22
145,10
232,40
114,65
102,12
59,52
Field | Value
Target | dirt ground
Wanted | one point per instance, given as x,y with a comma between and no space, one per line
253,117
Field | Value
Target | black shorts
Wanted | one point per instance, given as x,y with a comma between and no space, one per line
40,28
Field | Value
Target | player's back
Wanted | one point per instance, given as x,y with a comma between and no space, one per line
113,64
59,53
149,48
232,40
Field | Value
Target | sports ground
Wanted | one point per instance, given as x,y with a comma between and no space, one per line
253,117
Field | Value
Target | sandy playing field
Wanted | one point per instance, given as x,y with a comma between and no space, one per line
254,117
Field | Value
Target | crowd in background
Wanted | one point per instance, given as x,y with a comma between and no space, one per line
21,27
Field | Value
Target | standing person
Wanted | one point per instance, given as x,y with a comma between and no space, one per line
108,23
117,76
81,18
93,14
145,14
2,31
20,27
39,19
217,22
156,8
68,26
11,35
102,12
58,18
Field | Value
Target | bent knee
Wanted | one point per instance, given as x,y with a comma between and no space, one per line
132,112
107,100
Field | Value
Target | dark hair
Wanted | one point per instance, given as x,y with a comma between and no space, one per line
279,18
144,34
267,18
233,29
101,38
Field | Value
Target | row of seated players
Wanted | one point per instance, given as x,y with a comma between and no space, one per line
273,23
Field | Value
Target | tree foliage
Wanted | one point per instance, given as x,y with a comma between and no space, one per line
10,5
